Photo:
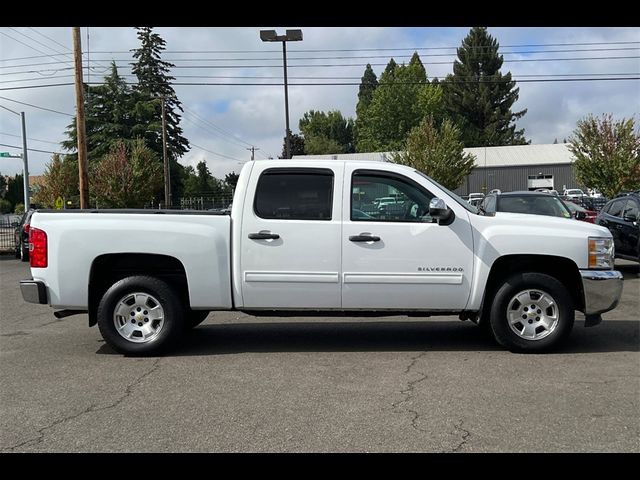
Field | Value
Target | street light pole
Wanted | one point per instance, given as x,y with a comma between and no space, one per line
287,142
290,36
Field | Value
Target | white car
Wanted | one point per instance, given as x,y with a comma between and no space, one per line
574,194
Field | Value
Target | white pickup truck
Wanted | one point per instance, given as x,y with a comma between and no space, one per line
306,238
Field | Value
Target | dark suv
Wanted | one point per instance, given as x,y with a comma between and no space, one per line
22,236
620,216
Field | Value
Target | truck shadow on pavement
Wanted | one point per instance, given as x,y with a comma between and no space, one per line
234,338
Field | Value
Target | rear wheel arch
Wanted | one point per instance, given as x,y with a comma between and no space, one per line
108,269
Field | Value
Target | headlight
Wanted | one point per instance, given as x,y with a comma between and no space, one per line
601,252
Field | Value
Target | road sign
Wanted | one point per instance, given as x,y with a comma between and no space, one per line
5,154
59,203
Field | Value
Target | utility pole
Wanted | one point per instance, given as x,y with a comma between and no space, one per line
80,124
165,158
25,162
253,151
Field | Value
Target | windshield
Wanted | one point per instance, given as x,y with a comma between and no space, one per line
458,199
533,204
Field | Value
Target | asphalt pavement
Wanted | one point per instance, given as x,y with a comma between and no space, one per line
243,384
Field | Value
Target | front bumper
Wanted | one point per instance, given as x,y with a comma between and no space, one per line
602,290
34,291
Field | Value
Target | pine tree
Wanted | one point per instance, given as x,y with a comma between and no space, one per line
479,97
154,81
108,117
368,85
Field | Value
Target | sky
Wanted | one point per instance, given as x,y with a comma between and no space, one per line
223,121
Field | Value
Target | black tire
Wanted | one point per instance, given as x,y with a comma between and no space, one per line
24,253
551,325
165,335
193,318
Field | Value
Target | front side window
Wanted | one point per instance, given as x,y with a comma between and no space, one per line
294,194
615,210
385,197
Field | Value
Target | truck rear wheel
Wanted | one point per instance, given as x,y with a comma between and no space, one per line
140,315
532,312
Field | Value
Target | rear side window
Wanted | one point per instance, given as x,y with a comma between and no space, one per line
631,209
294,194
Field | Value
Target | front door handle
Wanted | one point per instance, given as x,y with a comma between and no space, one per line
364,238
264,236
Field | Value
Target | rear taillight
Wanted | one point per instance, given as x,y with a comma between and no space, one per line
37,248
26,228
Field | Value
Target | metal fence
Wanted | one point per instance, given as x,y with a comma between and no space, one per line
8,225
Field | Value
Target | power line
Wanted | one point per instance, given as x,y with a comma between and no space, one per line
514,60
212,132
309,84
313,77
20,41
216,127
214,153
529,45
341,57
34,40
29,138
50,39
35,106
268,51
32,149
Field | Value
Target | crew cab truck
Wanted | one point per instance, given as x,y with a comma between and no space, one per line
297,242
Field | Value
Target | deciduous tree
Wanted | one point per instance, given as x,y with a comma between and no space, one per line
607,154
437,152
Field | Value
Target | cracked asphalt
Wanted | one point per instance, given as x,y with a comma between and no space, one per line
242,384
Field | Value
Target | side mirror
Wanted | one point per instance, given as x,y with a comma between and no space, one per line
581,215
630,218
439,210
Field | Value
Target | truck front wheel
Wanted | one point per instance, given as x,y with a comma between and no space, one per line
531,312
140,315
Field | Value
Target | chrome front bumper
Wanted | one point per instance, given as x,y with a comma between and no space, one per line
602,290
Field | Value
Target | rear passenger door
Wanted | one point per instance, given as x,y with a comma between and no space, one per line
290,237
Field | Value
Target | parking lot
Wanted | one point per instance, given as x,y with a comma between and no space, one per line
297,385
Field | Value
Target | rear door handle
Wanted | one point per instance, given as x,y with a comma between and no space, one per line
264,236
364,238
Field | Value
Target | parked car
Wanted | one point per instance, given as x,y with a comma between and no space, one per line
547,190
535,203
620,216
21,236
580,213
473,196
573,194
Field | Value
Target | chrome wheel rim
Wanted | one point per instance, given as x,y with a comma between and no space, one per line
532,314
138,317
